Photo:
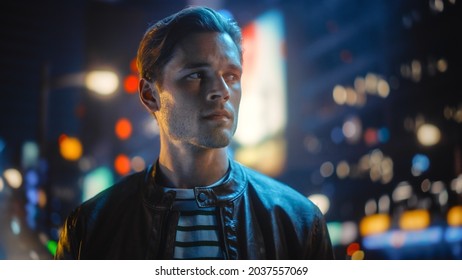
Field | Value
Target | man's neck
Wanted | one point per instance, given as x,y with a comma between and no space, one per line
189,168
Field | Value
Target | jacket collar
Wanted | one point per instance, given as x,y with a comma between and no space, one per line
234,185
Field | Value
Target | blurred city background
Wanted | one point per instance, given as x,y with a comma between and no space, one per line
356,104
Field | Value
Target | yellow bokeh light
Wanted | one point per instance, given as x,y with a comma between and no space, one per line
383,88
358,255
351,96
414,219
340,95
454,216
374,224
70,148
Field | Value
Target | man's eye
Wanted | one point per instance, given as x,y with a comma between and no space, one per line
231,78
195,76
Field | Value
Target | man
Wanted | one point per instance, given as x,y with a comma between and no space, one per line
194,202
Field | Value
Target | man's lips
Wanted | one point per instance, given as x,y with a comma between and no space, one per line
218,114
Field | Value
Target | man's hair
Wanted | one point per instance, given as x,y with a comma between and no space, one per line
158,44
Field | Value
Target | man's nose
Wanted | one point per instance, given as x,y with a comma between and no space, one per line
219,89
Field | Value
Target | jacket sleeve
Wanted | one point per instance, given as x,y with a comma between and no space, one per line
69,243
321,242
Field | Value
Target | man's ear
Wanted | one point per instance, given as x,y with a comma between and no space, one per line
149,95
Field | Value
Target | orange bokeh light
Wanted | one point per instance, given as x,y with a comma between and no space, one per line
131,84
454,216
374,224
122,164
70,148
415,219
123,128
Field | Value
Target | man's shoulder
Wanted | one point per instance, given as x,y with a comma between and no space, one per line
116,194
273,191
263,180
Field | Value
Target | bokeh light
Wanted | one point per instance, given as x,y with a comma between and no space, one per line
96,181
131,84
138,163
420,164
123,128
312,144
15,226
371,136
122,164
358,255
30,154
42,198
352,129
454,216
428,134
327,169
383,135
402,192
13,177
456,184
384,204
343,169
442,65
102,82
70,148
370,207
414,219
374,224
321,201
352,248
340,95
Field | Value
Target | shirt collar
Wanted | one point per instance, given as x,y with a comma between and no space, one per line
229,189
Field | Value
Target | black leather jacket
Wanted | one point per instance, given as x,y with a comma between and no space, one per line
259,218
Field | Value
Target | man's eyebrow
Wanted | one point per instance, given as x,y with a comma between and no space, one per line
235,67
192,65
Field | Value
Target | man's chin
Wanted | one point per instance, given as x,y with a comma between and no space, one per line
217,141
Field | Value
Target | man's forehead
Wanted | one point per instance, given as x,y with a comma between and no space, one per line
205,48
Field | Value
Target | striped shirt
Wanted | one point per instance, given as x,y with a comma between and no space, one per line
197,232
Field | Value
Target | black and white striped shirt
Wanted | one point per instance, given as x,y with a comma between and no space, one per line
197,232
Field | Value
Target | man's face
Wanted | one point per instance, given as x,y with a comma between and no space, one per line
201,90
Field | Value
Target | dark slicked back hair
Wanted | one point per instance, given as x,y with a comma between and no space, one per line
158,44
